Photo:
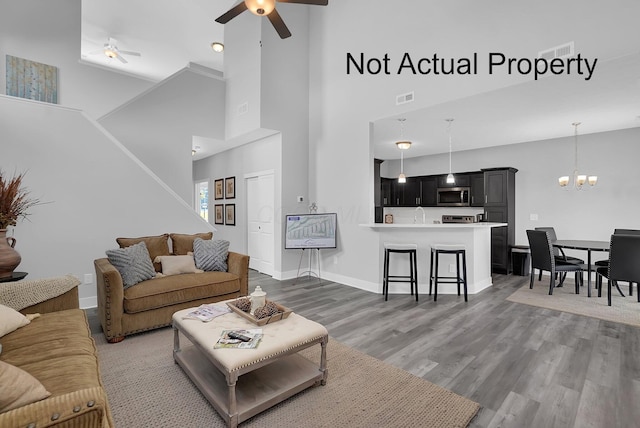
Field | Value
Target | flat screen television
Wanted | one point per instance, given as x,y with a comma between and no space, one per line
308,231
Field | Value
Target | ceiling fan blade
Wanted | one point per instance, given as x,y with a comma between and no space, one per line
314,2
96,52
130,53
232,13
278,24
121,58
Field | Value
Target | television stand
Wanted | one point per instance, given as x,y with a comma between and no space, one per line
309,273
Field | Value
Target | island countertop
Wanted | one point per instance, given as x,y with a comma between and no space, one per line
475,237
479,225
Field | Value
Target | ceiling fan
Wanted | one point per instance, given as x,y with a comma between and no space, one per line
110,49
266,8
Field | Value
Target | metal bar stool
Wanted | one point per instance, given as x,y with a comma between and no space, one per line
412,250
460,252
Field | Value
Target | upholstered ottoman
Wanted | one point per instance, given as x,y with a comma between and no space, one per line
241,383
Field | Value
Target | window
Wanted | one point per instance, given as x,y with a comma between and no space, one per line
202,199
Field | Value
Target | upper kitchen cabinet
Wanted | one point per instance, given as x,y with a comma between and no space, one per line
395,194
429,191
477,189
499,186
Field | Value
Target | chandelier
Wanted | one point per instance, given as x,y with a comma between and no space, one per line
579,180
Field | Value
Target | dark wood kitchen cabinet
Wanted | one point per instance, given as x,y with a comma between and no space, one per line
477,189
429,191
500,207
395,194
385,191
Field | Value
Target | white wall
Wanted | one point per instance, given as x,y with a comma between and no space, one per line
242,57
92,190
49,32
285,107
158,126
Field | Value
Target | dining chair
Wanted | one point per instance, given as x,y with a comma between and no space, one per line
558,253
543,259
606,262
624,255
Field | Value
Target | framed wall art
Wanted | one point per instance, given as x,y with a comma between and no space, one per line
218,187
219,214
230,187
230,214
31,80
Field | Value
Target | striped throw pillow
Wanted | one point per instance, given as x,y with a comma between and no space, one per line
211,255
133,263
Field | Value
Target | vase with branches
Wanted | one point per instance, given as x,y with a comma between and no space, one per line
15,203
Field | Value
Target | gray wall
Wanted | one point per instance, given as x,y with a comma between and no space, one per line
259,156
158,126
93,190
591,214
342,107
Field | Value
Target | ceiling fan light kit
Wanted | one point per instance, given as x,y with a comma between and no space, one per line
111,51
266,8
260,7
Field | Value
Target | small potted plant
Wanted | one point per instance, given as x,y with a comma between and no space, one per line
15,202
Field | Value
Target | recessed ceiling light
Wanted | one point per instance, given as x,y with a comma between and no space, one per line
217,46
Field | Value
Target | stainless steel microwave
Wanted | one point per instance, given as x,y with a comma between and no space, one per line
453,197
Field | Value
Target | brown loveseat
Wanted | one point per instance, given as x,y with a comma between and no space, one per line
151,303
57,350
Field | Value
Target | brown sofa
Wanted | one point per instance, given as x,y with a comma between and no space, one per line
57,349
151,303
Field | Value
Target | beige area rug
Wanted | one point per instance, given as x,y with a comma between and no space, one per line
146,388
624,310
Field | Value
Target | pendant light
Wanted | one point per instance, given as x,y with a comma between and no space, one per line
450,177
579,180
402,145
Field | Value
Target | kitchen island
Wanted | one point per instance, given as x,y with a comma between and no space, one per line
476,237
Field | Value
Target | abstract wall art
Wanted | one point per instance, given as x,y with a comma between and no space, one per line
31,80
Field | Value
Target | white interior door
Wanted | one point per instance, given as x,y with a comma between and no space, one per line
261,222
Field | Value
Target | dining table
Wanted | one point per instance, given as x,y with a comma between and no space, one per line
585,245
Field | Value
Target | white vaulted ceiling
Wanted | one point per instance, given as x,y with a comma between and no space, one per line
171,34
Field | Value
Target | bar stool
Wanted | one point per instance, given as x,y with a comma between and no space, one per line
412,250
460,252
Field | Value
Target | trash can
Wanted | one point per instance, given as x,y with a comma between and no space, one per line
520,260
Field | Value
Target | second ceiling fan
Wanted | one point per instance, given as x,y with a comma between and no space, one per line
266,8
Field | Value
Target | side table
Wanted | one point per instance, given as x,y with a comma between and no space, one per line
15,276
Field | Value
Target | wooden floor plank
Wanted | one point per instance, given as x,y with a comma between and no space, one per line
526,366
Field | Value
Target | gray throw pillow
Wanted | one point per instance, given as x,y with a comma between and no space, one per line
133,263
211,255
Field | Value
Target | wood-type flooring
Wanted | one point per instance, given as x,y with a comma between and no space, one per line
526,366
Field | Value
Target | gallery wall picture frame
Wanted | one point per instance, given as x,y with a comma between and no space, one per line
230,214
230,188
219,214
218,188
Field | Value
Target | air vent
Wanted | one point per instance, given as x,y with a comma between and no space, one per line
562,51
404,98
